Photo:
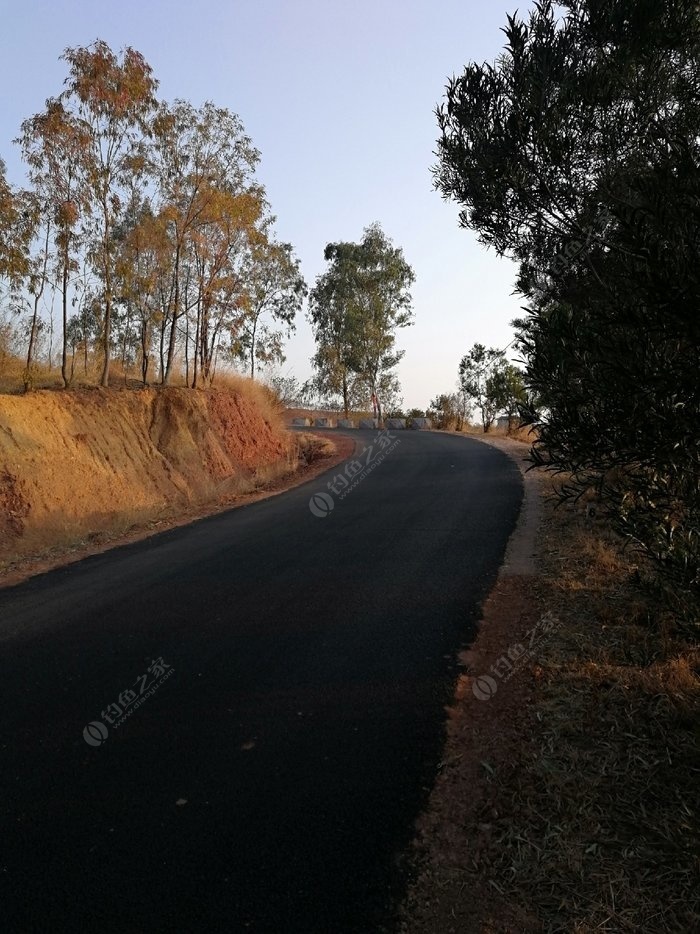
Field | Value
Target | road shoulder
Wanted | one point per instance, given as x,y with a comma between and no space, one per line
552,808
488,717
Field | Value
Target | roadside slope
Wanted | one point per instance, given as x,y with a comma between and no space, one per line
75,463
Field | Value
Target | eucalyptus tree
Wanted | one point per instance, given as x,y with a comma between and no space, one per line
330,304
220,250
381,304
16,231
37,276
111,99
356,308
275,291
201,158
478,381
143,261
55,145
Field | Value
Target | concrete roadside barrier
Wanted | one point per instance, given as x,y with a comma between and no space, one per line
421,424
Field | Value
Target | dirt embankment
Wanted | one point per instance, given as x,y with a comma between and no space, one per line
74,465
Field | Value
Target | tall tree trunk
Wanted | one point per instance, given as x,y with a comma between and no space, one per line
145,351
204,356
64,320
161,349
196,341
346,405
214,361
107,269
252,348
104,379
205,361
213,352
187,347
35,316
30,349
125,343
173,328
50,355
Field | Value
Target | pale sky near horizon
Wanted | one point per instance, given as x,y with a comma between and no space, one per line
339,98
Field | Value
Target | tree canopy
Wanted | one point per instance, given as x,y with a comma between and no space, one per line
148,218
356,307
491,383
577,153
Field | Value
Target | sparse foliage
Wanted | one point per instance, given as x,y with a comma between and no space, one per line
16,229
54,144
506,387
478,381
147,218
274,293
449,411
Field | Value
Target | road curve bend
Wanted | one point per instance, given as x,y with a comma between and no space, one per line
232,726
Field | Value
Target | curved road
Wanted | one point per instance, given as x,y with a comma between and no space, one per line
281,679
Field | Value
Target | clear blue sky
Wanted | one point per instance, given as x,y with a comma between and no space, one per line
339,98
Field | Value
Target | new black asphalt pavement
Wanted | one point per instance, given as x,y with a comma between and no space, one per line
281,680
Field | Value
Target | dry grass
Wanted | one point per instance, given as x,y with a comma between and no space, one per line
303,450
598,824
260,394
569,802
526,434
312,448
42,376
12,372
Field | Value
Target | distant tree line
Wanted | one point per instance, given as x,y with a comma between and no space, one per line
146,220
578,154
489,386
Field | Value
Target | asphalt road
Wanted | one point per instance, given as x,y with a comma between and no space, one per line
283,677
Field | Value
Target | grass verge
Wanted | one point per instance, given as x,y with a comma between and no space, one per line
578,795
